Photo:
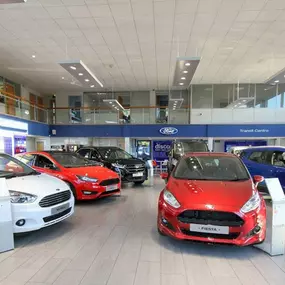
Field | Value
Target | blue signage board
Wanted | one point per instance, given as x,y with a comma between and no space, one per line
160,149
168,131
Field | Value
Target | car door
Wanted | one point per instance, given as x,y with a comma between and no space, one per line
45,165
278,167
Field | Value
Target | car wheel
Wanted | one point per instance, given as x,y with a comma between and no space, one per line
72,188
139,182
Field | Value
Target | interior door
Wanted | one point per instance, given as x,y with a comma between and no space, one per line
10,100
40,146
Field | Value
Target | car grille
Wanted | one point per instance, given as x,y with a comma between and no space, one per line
110,182
56,216
210,235
55,199
216,218
135,168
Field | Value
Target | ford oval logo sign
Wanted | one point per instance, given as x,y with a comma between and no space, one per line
168,131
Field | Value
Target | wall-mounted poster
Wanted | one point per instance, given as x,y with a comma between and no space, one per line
161,149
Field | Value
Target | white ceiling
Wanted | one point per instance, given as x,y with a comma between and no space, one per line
133,44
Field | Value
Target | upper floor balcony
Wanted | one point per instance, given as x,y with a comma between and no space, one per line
202,104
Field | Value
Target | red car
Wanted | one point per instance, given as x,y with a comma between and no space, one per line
87,179
211,197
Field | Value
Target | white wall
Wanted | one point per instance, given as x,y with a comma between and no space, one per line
31,144
65,141
45,140
237,116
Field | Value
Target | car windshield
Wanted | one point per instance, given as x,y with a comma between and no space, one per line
112,153
184,147
12,167
216,168
70,160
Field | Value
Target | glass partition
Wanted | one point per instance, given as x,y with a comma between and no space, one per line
266,96
202,96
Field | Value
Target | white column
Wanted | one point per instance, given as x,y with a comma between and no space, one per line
211,144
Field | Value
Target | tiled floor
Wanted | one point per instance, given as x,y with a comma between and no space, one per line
114,241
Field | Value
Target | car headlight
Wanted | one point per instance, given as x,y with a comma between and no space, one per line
21,197
118,165
87,179
170,199
252,203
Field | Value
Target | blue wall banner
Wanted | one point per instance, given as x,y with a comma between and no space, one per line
160,149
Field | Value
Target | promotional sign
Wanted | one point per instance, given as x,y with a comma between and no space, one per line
160,150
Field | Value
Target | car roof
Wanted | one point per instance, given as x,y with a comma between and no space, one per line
222,154
281,148
100,147
47,152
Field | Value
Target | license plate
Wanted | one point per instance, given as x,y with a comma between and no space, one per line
59,209
138,174
112,187
209,229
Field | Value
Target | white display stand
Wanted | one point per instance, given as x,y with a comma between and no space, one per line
6,225
150,181
274,243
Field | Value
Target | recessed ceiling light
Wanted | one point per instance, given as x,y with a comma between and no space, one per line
33,56
185,71
187,63
110,102
91,86
181,83
276,81
175,102
183,78
73,67
80,74
62,77
87,80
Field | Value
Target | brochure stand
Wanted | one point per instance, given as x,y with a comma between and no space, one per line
274,243
149,166
6,225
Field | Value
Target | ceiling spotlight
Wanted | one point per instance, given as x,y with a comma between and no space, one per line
80,74
181,83
87,80
187,63
175,102
62,77
183,78
33,56
276,81
73,67
110,102
92,86
185,71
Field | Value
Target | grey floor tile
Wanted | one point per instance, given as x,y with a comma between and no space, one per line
173,279
150,253
220,267
148,273
69,277
172,263
224,280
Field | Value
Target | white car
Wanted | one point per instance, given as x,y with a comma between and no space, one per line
38,200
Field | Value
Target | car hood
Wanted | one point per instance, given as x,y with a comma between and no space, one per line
98,172
220,194
40,185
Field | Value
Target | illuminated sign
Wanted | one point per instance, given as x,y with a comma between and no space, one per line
13,125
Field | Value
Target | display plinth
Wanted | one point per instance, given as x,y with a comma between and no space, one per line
274,243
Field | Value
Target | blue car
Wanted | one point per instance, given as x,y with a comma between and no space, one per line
268,161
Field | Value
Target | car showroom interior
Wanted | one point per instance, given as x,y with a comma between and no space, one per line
142,142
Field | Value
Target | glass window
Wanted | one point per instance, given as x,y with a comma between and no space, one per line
43,162
278,159
85,152
280,96
95,155
261,157
26,158
70,160
266,96
10,167
202,96
224,94
212,168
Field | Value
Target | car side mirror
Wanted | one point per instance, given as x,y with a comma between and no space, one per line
164,175
258,179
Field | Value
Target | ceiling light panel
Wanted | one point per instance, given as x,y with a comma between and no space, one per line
184,71
174,104
278,78
81,73
114,104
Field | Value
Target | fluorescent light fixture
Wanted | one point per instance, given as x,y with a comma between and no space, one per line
114,104
175,103
76,68
276,81
92,86
278,77
12,1
185,69
240,103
